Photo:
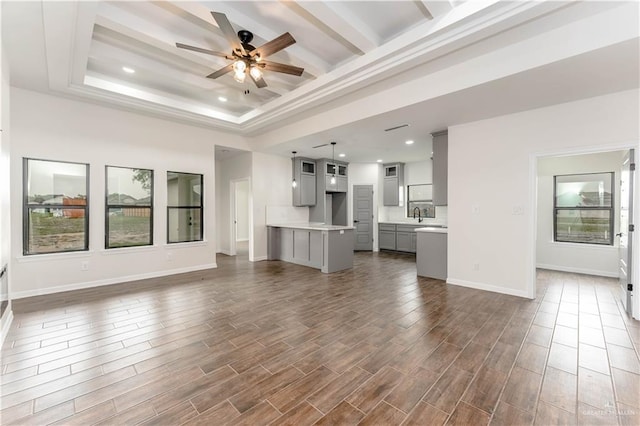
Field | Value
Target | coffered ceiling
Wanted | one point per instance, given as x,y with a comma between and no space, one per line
348,49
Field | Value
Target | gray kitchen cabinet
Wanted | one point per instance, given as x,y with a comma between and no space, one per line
406,238
386,236
331,199
304,172
397,237
337,170
393,183
440,167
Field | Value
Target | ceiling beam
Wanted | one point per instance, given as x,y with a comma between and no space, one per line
353,35
435,8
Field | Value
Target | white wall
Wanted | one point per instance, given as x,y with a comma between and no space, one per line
54,128
582,258
242,211
494,172
230,169
5,179
271,186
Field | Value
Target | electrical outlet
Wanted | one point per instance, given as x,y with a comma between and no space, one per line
84,266
518,210
475,209
476,266
169,257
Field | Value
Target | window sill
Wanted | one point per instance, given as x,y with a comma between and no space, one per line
53,256
584,245
127,250
185,245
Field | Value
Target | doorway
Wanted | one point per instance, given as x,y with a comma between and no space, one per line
240,218
580,216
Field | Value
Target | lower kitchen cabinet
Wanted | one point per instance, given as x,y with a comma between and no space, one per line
397,237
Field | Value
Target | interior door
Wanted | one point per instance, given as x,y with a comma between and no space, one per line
363,217
626,229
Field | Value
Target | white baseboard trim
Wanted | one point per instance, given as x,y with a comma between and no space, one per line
260,258
595,272
110,281
225,252
488,287
6,325
242,240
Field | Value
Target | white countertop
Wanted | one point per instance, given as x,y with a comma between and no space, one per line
310,226
433,229
414,223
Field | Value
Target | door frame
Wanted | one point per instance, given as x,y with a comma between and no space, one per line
233,231
533,217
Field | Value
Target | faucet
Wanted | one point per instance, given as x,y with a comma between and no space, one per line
419,215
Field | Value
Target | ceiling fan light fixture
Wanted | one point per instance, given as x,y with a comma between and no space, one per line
239,77
256,73
239,66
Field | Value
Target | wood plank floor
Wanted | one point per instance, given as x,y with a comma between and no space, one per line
276,343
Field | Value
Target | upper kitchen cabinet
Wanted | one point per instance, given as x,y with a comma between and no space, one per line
393,183
440,167
335,176
331,198
304,173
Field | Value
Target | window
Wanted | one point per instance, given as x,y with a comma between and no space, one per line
56,212
420,196
583,208
129,207
184,207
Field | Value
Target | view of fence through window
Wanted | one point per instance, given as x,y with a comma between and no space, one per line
55,212
583,208
129,207
184,207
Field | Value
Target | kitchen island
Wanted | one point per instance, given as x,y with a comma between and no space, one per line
431,252
325,247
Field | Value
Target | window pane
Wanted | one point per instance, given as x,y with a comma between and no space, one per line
184,225
55,230
184,189
589,190
129,186
420,192
51,182
583,226
129,226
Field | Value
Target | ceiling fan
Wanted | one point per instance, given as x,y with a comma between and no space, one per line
246,58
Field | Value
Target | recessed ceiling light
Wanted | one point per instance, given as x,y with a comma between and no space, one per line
222,99
379,161
342,155
128,70
409,142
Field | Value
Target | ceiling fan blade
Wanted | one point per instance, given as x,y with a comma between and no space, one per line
228,31
283,68
273,46
260,83
201,50
221,71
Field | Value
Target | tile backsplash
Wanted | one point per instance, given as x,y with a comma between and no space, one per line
398,214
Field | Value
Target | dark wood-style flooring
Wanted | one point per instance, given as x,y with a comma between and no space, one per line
276,343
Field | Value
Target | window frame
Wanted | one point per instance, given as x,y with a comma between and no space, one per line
409,201
184,207
108,206
26,207
611,209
